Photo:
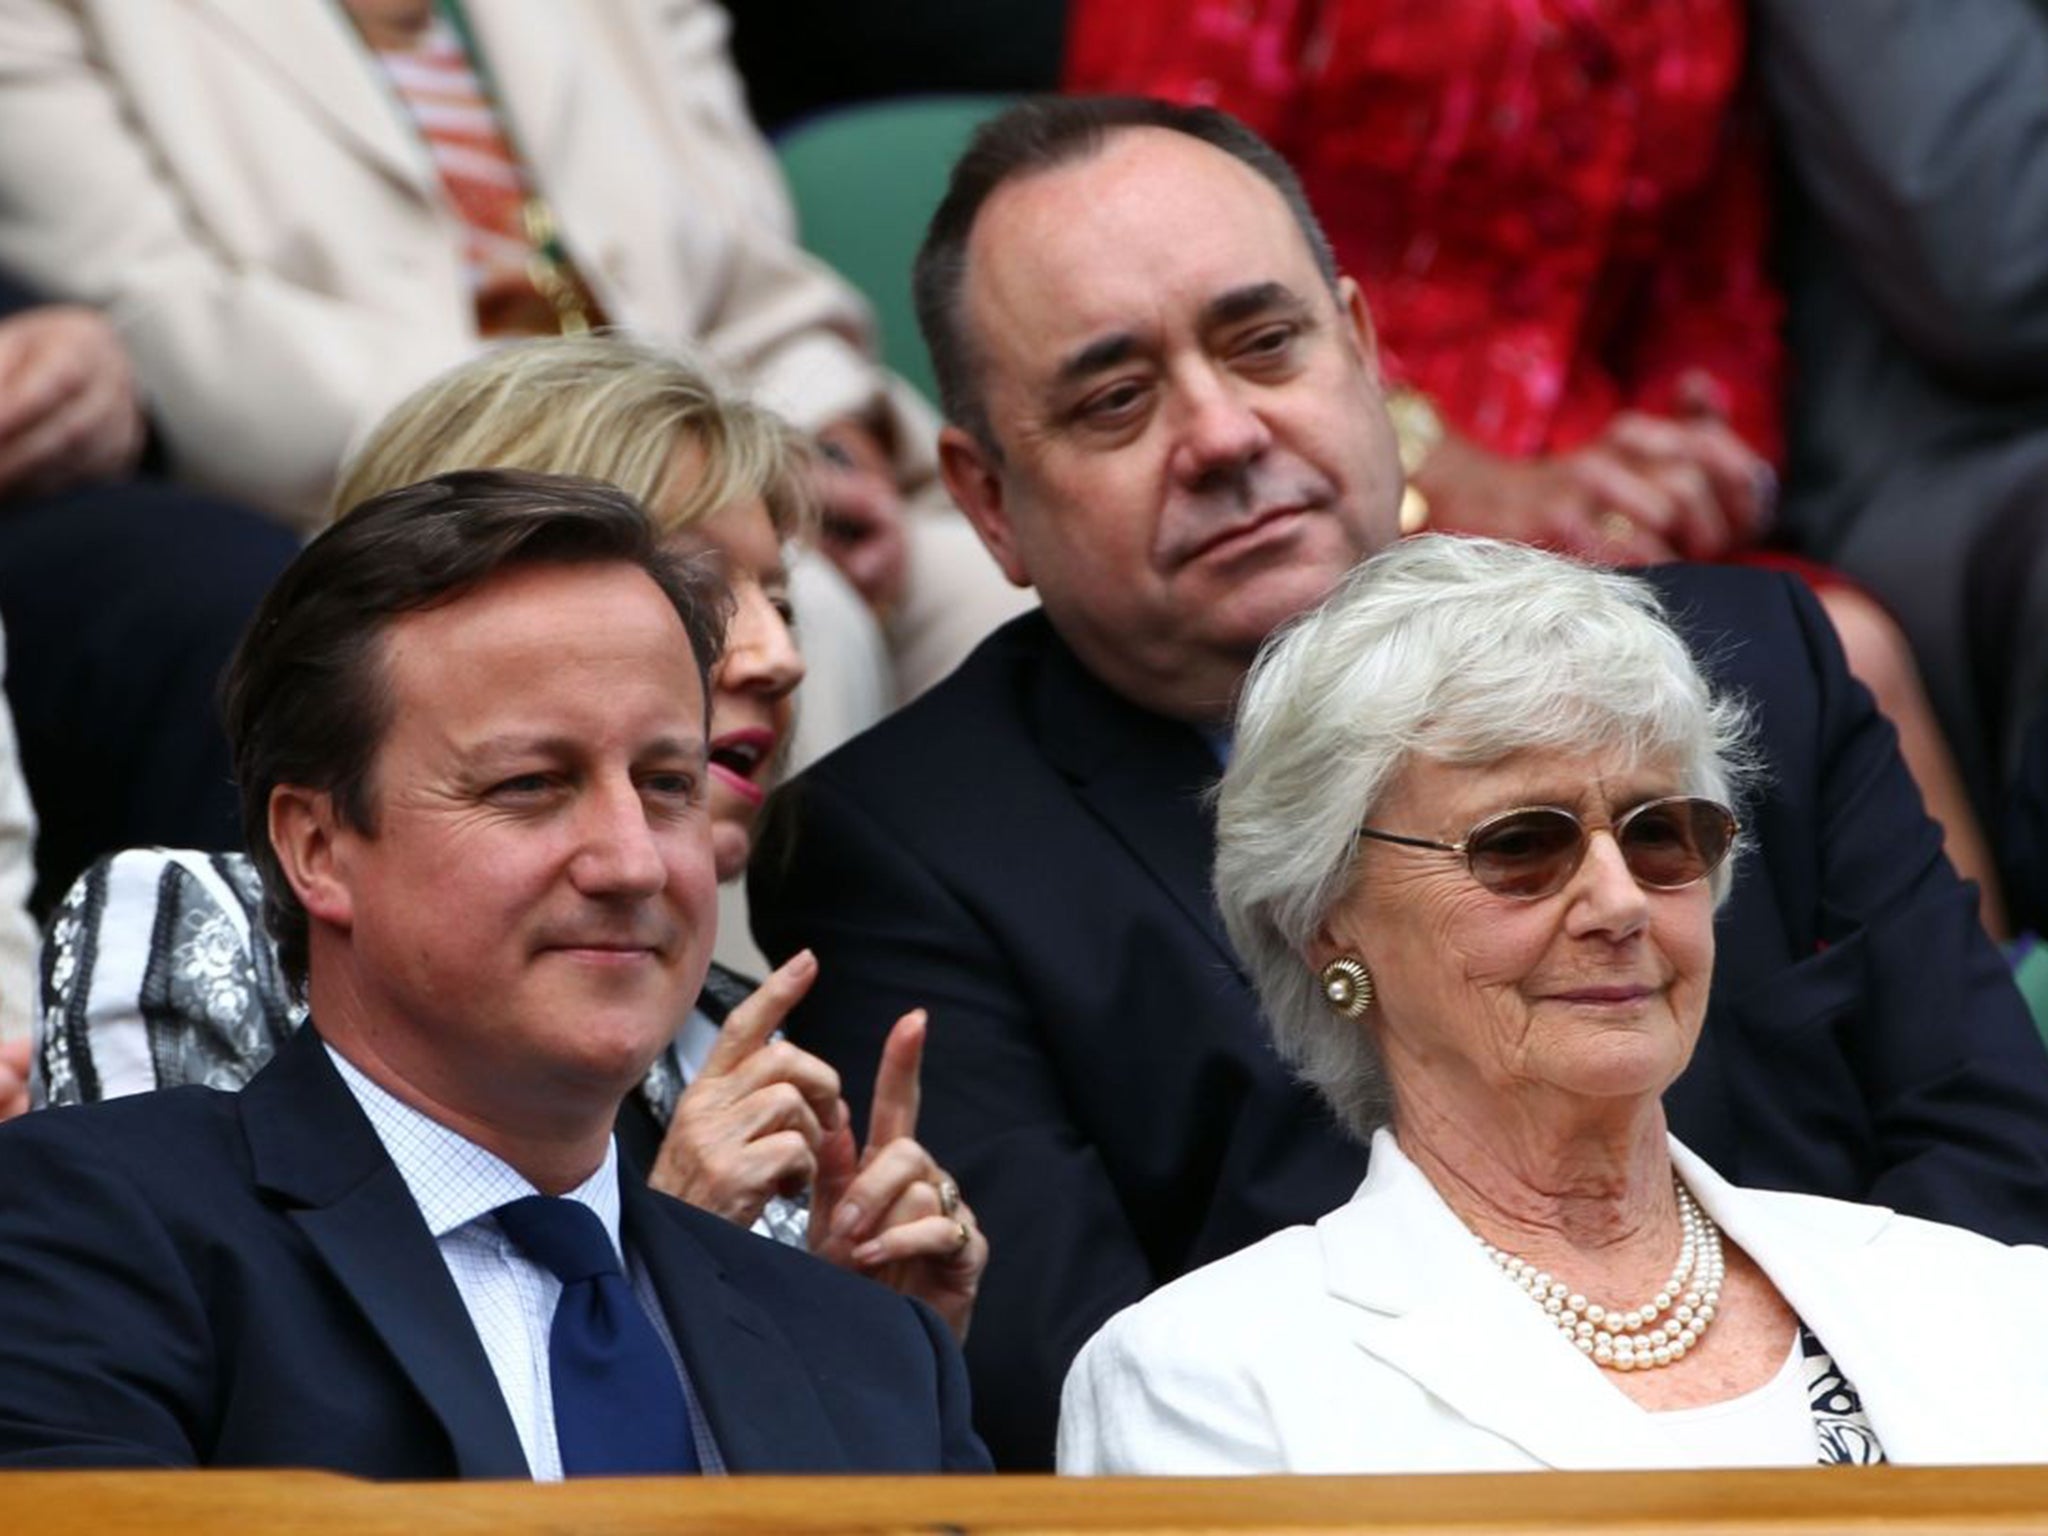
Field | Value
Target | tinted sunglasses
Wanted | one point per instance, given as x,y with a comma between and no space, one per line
1531,852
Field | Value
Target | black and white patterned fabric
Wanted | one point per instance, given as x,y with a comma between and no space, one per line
156,971
1846,1438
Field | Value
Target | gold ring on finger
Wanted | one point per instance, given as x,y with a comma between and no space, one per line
961,1236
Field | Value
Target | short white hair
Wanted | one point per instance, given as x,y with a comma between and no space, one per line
1457,650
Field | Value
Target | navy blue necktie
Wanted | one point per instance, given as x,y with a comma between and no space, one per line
619,1407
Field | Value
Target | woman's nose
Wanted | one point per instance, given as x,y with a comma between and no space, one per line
1606,896
761,654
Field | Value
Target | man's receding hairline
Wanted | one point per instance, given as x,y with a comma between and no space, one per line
1087,151
1079,154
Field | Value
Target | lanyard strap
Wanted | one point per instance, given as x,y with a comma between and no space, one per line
550,269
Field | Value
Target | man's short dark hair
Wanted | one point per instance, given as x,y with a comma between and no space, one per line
1042,134
306,696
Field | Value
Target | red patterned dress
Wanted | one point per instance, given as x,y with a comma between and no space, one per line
1557,208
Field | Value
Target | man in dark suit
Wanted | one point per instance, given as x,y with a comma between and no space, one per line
1166,413
469,727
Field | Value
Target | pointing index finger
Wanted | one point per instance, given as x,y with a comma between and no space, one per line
748,1027
893,1115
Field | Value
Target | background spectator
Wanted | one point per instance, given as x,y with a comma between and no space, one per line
296,214
122,596
1916,253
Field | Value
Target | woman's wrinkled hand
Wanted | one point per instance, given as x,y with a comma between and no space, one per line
1649,489
752,1123
893,1213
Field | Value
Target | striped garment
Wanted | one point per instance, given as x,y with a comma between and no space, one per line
523,285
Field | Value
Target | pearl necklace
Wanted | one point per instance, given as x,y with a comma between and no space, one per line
1633,1338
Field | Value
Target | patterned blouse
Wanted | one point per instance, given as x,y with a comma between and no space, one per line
1839,1422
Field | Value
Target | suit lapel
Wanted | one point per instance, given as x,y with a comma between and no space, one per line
1882,1302
1141,775
1427,1301
1818,1262
310,1144
1421,1297
763,1408
326,66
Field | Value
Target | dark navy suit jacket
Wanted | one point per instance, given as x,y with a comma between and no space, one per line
199,1278
1027,854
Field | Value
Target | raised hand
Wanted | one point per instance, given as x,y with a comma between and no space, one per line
753,1122
895,1213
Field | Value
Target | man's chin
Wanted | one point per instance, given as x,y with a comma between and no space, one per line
624,1012
1240,618
615,1055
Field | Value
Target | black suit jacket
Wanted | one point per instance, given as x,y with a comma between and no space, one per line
199,1278
1027,854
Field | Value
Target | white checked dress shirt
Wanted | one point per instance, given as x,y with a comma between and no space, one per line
510,1299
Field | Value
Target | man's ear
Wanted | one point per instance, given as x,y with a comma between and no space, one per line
303,834
976,483
1358,322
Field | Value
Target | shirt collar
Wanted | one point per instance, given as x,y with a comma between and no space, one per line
453,1180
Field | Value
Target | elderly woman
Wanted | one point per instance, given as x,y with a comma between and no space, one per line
731,1118
1475,824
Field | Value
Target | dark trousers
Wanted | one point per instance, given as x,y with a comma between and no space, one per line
122,603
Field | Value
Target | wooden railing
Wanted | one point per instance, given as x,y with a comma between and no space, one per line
1892,1500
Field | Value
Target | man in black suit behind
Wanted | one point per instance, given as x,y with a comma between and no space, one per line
1166,414
469,728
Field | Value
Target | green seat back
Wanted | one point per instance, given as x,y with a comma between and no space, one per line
866,179
2032,976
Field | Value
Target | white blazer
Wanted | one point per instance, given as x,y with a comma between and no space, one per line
1382,1339
235,183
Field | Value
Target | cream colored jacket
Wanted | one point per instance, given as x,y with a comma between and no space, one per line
1382,1339
233,181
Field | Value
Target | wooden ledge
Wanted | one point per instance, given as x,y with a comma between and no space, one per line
1880,1499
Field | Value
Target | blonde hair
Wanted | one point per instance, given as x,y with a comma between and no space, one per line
599,406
